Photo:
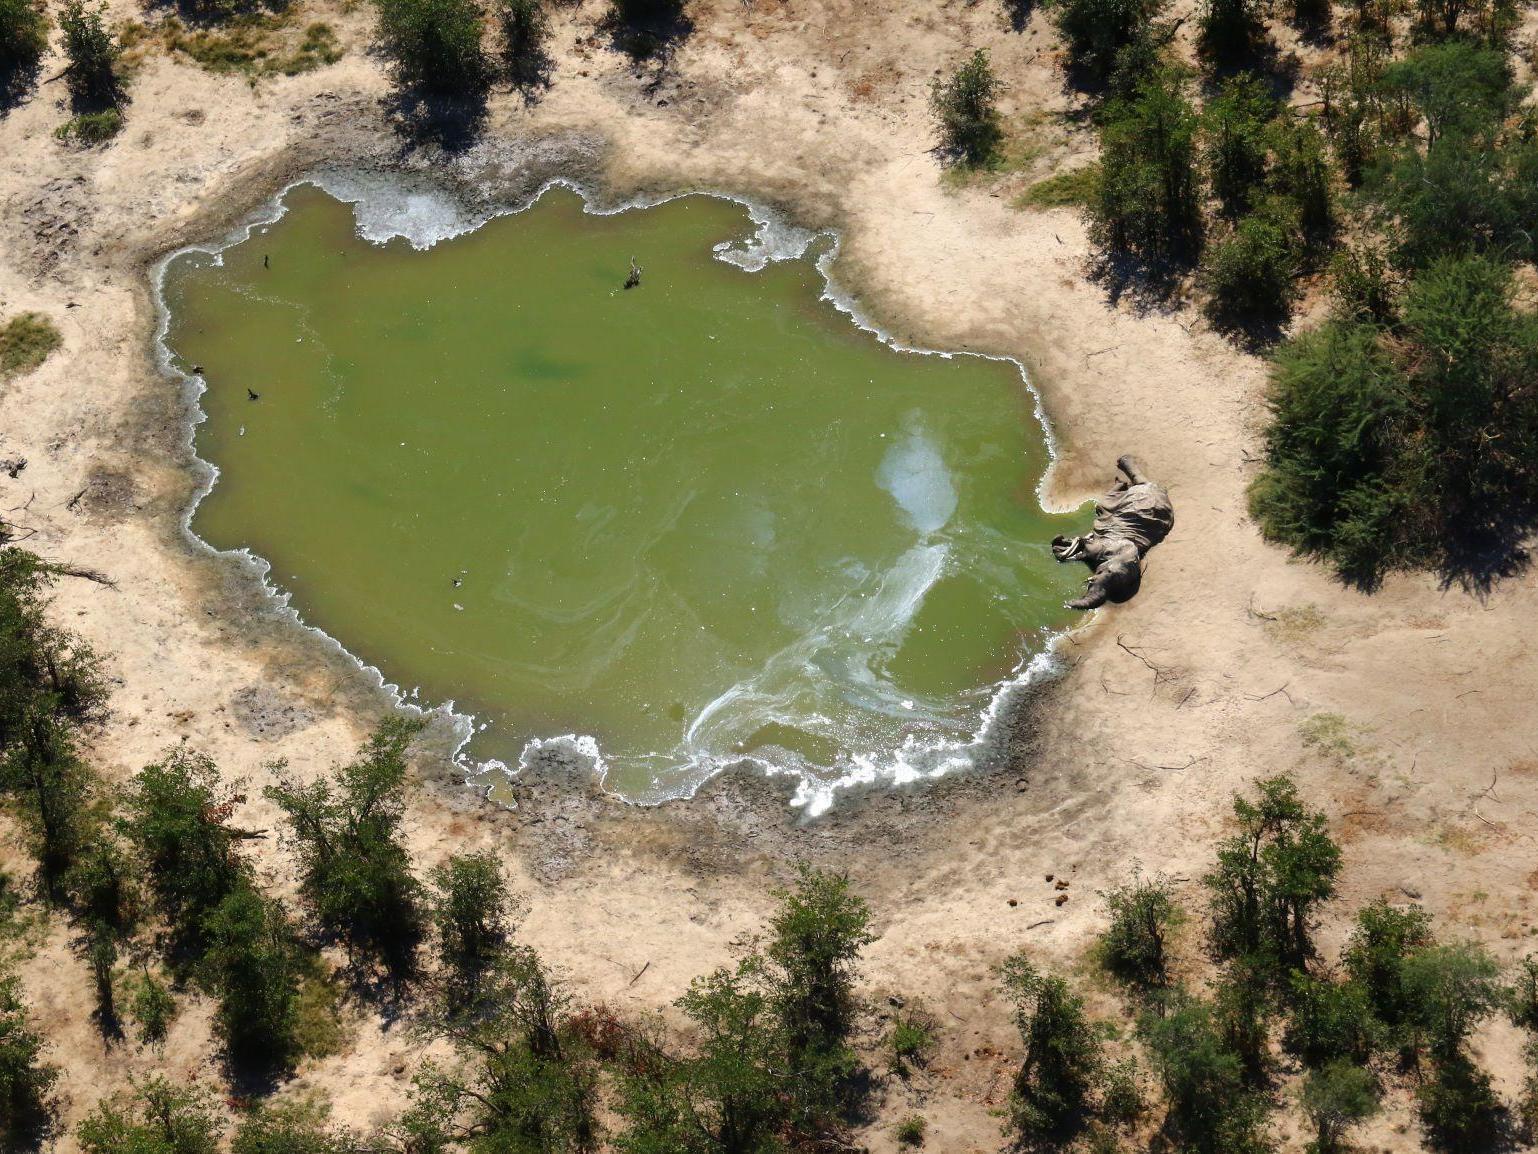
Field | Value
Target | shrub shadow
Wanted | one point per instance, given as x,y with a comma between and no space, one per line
451,123
16,82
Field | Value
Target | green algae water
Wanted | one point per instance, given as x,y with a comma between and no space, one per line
670,528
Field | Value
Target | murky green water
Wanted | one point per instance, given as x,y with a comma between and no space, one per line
702,518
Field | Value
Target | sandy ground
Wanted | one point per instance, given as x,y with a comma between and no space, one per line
1215,675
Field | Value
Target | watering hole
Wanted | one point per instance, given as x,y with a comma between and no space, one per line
668,528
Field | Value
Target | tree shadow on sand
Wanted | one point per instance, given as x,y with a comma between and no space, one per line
647,31
452,123
16,82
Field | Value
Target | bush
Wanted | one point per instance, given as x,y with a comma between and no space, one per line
92,52
1450,989
1329,1021
1211,1109
23,40
295,1127
1335,1098
911,1130
26,341
354,871
1363,290
964,106
1269,878
252,962
471,911
1460,89
435,45
1142,914
26,1081
1063,1059
643,28
912,1039
157,1118
153,1007
1148,204
1095,31
1300,177
1384,938
1248,277
1236,140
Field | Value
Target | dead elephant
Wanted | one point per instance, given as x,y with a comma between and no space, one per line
1129,521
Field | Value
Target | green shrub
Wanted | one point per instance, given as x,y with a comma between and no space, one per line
26,1081
964,106
1141,913
1230,30
471,910
1522,1001
1363,288
1072,187
1301,177
354,871
1248,276
1063,1055
252,963
91,127
1328,1020
23,40
26,341
1384,938
435,45
1337,1097
1148,205
911,1130
92,52
1095,31
1211,1108
525,29
1235,135
156,1118
293,1127
1450,989
912,1039
152,1007
643,28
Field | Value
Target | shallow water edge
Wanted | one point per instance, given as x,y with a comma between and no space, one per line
424,211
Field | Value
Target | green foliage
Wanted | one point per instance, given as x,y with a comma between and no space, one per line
26,340
1142,913
912,1039
911,1130
1337,1097
1522,998
525,29
92,52
1363,289
522,1088
1243,1006
157,1118
1269,878
1149,204
173,813
471,911
152,1007
1458,1108
815,939
91,127
1063,1059
1384,938
23,40
254,44
251,961
354,871
1236,140
26,1081
1300,177
1459,88
435,45
964,106
1248,276
1096,31
292,1127
104,887
1329,1020
1211,1108
1450,989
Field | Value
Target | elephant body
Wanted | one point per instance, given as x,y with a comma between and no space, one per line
1129,521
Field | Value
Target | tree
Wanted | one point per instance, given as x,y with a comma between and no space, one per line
354,871
1234,127
23,40
1329,1020
175,813
1063,1058
471,911
1096,31
252,963
1270,877
525,29
1384,938
294,1127
92,52
1142,913
1211,1109
1449,989
1459,88
1248,276
157,1118
1300,178
1148,204
815,939
1243,1005
1363,290
26,1081
964,106
152,1006
435,45
1336,1097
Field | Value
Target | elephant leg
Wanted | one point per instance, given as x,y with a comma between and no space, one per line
1129,466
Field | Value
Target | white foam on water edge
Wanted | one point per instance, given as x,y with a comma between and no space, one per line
413,209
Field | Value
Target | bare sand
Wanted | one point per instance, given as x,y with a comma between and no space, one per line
1216,674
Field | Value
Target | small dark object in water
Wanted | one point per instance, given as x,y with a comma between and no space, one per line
265,263
252,395
457,583
635,275
197,369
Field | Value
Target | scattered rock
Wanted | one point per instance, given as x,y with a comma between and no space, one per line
1013,902
1051,876
1061,898
1062,884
